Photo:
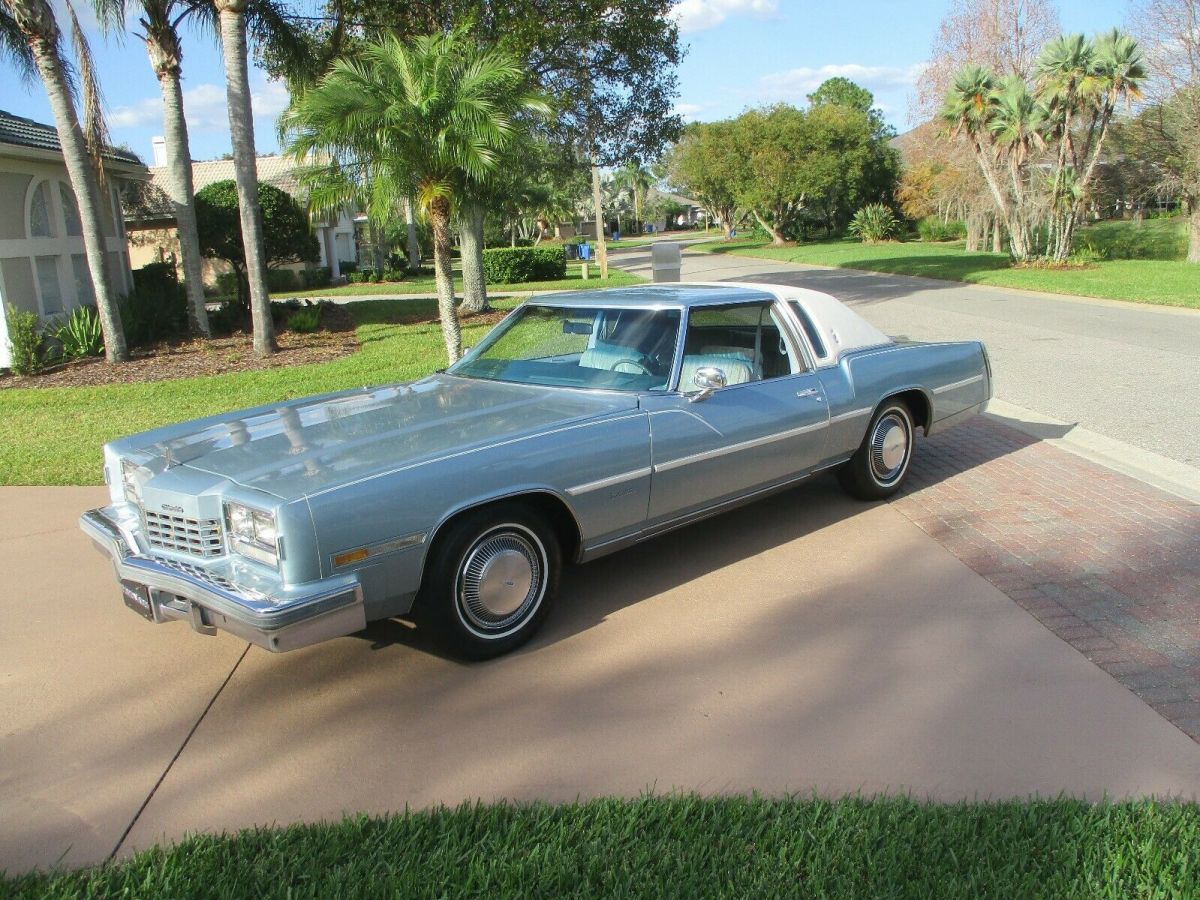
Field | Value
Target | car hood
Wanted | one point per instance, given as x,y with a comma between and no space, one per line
303,446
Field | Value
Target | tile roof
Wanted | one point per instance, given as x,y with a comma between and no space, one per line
23,132
149,202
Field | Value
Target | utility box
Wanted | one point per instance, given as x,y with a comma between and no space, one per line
665,261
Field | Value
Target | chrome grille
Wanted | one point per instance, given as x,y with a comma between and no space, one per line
197,537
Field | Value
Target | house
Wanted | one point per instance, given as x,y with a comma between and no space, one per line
43,268
150,216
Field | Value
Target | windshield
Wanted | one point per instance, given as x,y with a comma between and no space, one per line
616,349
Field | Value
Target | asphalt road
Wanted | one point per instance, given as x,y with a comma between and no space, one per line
1127,371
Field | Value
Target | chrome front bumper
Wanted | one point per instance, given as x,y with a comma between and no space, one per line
284,620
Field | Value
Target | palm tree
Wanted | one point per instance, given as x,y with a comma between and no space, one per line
1081,82
30,34
637,179
430,117
232,22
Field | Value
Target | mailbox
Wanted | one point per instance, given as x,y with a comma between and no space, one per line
665,261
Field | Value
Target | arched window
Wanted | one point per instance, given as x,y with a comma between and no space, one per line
70,210
41,214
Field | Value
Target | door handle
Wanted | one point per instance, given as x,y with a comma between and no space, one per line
808,392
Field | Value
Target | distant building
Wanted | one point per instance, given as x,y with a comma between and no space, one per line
150,215
43,268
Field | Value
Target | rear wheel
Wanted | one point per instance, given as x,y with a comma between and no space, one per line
878,467
491,580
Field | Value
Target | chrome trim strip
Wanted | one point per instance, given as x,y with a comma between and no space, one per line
601,483
734,448
852,414
389,546
958,384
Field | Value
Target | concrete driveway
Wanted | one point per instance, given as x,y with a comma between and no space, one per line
806,642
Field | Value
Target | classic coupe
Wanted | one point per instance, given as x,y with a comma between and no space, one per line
582,423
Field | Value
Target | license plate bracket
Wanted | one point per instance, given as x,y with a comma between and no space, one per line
137,598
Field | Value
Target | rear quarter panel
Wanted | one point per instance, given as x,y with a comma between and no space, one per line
953,378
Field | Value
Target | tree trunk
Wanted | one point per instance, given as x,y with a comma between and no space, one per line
1193,255
376,247
997,236
972,234
776,236
471,243
36,20
414,251
439,215
180,188
601,246
241,132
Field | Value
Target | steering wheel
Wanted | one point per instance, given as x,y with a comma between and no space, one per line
640,368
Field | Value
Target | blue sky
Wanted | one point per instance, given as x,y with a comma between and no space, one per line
741,53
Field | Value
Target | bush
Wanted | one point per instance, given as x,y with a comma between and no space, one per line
316,277
394,274
932,229
157,308
308,319
874,222
80,335
281,280
346,266
26,341
227,284
231,317
283,310
515,265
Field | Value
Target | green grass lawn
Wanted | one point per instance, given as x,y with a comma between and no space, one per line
681,846
426,285
62,429
1163,280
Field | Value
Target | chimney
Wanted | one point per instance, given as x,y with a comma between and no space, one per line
160,150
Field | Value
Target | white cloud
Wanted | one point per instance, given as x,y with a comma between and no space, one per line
689,111
794,85
205,108
699,15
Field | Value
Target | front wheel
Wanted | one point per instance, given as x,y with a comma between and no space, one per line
491,580
878,467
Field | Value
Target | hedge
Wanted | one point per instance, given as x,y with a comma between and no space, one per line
514,265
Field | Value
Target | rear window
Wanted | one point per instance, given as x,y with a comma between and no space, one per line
810,329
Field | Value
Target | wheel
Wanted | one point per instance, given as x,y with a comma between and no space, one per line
490,580
877,468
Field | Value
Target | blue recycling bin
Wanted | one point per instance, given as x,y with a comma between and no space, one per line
585,251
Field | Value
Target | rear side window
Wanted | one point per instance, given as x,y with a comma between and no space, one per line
810,329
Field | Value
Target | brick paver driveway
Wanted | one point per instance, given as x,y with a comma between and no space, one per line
1108,564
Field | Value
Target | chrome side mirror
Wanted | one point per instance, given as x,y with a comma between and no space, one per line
708,379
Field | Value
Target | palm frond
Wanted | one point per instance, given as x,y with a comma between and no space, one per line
95,128
14,47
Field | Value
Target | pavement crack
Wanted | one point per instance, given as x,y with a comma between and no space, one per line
178,753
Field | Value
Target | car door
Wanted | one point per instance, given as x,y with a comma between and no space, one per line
766,426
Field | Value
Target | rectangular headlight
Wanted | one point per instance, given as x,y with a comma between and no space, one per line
252,533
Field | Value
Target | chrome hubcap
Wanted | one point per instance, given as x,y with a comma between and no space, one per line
500,580
889,448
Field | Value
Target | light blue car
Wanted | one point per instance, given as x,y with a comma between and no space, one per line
583,423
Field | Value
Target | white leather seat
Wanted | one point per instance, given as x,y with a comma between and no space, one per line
736,369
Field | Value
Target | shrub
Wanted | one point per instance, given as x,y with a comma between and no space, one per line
393,274
346,266
316,277
231,317
157,308
515,265
281,280
874,222
26,341
227,284
932,229
80,335
283,310
307,319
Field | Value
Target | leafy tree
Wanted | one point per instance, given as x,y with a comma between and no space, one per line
706,164
449,107
608,65
841,91
637,179
287,235
1167,132
31,38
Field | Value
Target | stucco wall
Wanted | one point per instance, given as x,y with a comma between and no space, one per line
13,188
